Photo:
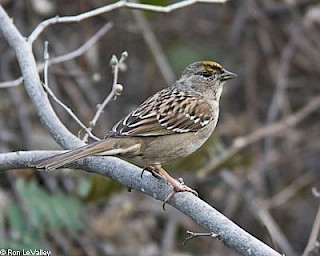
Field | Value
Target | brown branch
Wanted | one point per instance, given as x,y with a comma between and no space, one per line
291,190
242,142
155,47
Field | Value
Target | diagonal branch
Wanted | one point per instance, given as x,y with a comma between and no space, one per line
129,176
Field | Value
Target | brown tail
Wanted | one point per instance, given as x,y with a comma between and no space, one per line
59,160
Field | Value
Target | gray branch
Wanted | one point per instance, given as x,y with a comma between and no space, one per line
127,174
130,176
33,86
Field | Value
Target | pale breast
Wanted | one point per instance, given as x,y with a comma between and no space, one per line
164,149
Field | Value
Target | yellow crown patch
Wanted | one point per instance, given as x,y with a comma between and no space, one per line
211,66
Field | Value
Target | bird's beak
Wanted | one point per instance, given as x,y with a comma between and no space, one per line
227,75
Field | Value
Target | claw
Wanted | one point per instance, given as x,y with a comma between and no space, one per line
152,170
143,170
178,187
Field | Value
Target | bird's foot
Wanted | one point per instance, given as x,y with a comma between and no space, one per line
178,186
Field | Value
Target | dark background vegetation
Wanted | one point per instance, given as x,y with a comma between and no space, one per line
274,48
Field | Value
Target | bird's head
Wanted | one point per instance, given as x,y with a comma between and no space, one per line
206,77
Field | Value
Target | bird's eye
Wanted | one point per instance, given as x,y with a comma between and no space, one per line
205,74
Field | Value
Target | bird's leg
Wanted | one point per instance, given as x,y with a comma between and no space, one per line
178,185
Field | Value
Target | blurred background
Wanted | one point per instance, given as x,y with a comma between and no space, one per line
260,168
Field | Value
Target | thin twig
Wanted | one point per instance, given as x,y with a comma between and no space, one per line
115,91
65,57
194,234
290,191
83,48
123,3
54,97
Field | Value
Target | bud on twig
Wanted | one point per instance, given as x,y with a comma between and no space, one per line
118,89
124,55
113,61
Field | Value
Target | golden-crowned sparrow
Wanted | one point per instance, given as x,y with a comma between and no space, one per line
172,123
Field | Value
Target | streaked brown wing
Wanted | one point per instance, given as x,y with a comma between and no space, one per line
166,112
